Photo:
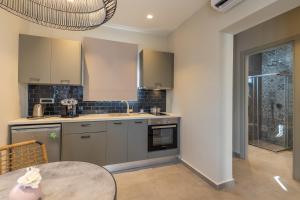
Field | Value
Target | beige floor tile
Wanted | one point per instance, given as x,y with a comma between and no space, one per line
254,181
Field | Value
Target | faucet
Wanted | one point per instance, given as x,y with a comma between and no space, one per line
127,106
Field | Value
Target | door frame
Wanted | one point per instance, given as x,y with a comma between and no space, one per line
296,99
241,106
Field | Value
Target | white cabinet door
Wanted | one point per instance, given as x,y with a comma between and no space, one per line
66,62
34,59
110,70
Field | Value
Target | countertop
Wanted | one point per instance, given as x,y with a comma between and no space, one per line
89,117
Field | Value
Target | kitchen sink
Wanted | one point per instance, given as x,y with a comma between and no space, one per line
123,114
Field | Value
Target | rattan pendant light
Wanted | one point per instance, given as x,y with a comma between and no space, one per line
75,15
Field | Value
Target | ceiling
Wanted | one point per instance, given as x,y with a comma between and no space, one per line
168,15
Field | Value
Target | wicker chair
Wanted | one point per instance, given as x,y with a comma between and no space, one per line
21,155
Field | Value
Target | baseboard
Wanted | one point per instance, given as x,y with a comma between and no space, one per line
218,186
236,155
226,184
143,164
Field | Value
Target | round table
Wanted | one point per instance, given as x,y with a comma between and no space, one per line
67,180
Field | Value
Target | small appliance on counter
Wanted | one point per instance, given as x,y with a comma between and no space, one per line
70,108
38,111
156,111
39,108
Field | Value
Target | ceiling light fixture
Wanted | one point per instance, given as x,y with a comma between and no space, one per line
149,16
75,15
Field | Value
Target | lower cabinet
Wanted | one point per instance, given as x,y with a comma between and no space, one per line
105,143
137,140
116,142
85,147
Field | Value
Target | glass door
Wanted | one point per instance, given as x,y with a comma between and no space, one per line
270,98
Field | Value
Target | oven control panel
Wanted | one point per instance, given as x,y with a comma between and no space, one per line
163,121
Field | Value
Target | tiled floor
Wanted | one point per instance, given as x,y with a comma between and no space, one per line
268,145
254,181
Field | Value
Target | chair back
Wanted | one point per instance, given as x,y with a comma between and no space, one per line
21,155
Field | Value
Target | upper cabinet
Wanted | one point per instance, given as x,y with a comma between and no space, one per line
49,61
156,69
66,62
34,59
110,72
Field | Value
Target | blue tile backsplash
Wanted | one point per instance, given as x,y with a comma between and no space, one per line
146,100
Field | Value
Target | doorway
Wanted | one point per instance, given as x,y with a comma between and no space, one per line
270,98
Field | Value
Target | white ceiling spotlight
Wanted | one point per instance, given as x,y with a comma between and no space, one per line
150,16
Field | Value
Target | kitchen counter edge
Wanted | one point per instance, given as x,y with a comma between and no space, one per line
87,118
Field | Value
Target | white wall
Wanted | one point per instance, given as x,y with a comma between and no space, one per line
9,100
203,86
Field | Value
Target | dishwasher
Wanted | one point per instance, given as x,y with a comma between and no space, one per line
50,135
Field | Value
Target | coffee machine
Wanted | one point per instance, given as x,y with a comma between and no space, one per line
70,108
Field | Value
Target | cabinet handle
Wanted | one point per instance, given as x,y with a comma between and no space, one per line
86,125
164,126
117,123
65,81
35,79
85,137
137,122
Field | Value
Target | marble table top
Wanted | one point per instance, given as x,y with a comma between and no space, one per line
67,180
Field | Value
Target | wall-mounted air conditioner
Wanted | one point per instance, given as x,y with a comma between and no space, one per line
224,5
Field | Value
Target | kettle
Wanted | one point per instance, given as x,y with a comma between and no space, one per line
38,111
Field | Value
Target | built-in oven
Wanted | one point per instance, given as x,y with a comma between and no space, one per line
162,134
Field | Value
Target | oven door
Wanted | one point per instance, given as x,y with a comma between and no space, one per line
161,137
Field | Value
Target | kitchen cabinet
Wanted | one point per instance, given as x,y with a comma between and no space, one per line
137,140
116,142
110,71
84,141
85,147
84,127
99,142
156,69
66,62
34,59
49,61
